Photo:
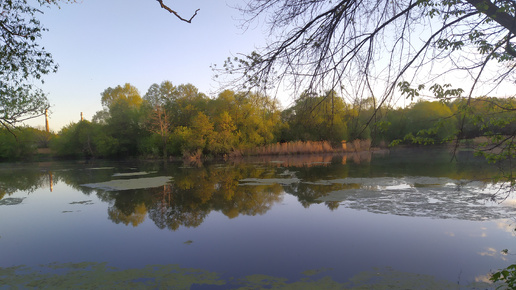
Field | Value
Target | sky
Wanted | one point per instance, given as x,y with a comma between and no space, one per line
100,44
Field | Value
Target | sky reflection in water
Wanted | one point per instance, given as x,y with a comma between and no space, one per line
342,218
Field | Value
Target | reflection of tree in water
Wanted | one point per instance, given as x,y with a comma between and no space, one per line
27,180
192,195
172,208
195,192
135,218
308,193
316,181
30,177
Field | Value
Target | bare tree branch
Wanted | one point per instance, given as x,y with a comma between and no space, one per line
177,14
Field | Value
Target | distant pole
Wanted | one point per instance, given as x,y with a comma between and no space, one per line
46,121
82,119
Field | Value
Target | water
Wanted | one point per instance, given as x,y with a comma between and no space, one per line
405,219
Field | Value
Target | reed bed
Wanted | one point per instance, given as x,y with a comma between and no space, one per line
309,147
290,148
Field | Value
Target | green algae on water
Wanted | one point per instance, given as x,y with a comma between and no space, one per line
128,184
91,275
269,181
132,174
12,201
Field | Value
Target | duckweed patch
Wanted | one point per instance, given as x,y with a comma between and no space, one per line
100,276
132,174
89,275
129,184
12,201
269,181
85,202
315,271
441,198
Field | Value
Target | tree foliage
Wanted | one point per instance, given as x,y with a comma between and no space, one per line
22,61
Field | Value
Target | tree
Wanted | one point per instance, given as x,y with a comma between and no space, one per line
157,99
126,94
430,122
84,139
316,118
226,136
202,133
22,62
186,105
123,120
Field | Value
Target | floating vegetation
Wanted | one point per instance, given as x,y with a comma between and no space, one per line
132,174
89,275
12,201
100,276
128,184
189,242
434,197
383,182
316,271
85,202
269,181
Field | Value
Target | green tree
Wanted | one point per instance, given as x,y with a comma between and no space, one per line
256,116
226,137
430,122
23,62
123,122
202,133
317,118
156,101
84,140
186,105
22,145
121,94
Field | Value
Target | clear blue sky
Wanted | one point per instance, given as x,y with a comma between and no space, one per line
105,43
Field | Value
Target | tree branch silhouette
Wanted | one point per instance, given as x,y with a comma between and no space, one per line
177,14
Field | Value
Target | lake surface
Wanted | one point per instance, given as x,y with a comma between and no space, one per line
408,218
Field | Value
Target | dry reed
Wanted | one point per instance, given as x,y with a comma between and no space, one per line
298,147
307,147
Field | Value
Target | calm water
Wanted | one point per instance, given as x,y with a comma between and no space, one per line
405,218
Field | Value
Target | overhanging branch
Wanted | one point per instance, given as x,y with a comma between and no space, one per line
496,13
177,14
